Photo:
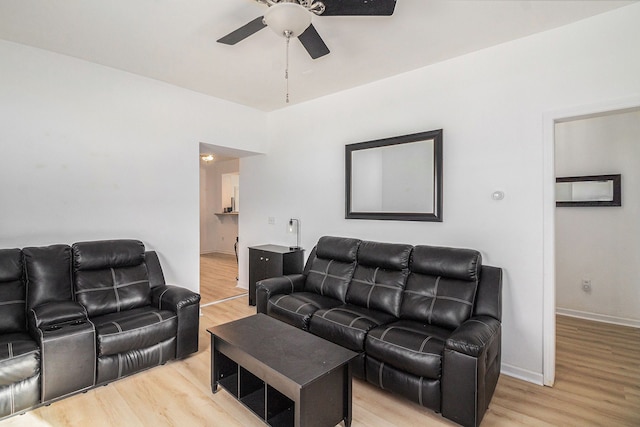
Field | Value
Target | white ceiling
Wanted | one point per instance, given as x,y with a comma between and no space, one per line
175,40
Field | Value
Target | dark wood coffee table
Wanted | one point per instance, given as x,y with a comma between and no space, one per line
286,376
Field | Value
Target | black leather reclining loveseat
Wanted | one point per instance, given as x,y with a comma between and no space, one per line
72,318
426,320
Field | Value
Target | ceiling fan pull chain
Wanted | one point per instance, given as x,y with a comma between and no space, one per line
287,34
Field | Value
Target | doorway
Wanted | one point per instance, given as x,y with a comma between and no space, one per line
597,247
219,228
553,291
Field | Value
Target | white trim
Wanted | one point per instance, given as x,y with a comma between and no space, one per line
550,118
604,318
549,251
221,301
521,374
216,251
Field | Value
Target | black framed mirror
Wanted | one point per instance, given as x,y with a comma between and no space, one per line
397,178
593,190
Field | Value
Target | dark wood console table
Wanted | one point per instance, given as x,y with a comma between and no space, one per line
286,376
272,261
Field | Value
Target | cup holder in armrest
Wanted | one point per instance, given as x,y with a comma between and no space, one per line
59,326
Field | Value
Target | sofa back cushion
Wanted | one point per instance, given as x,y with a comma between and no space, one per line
12,292
110,276
331,270
48,274
380,276
338,248
442,285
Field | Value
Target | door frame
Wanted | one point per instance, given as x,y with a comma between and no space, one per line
550,119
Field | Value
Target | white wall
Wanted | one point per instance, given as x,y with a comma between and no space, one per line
491,106
89,152
217,232
601,244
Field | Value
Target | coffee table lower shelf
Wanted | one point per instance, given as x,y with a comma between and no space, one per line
269,404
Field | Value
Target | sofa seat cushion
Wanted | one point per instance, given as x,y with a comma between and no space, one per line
298,307
133,329
410,346
347,325
424,391
19,358
20,396
120,365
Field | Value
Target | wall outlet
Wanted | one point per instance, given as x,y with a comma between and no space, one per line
586,285
271,220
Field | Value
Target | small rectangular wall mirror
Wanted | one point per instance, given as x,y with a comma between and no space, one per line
594,190
397,178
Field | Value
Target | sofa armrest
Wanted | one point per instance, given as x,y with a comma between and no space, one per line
67,341
186,304
168,297
277,285
471,368
473,336
54,313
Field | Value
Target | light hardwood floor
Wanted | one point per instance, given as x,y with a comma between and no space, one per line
218,274
598,377
597,381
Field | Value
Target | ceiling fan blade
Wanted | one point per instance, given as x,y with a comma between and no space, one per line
312,41
359,7
243,32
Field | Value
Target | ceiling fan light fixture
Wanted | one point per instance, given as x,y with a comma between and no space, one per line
287,19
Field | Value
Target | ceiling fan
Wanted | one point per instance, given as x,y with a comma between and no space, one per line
292,18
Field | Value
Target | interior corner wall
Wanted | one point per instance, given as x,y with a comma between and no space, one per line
600,244
491,105
217,232
89,152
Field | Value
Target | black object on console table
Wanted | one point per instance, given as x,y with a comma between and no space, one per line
272,261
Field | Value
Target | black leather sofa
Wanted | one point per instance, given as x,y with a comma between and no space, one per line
75,317
426,320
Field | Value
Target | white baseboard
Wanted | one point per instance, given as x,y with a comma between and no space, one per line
214,251
605,318
522,374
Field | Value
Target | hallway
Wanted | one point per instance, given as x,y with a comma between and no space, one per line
218,274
